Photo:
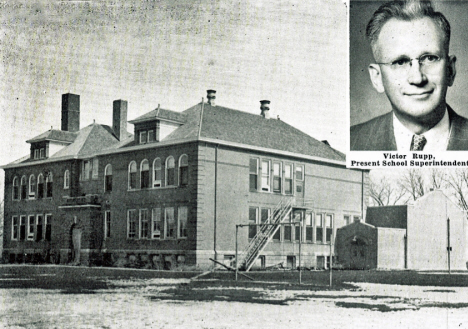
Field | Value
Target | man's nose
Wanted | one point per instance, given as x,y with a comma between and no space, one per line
415,74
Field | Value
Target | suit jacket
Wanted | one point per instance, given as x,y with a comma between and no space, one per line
377,134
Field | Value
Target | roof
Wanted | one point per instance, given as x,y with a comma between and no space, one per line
221,123
388,216
160,114
55,135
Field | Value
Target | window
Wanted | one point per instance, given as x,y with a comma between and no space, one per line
108,178
32,187
107,224
297,218
156,223
329,228
23,188
22,230
132,175
36,154
266,176
49,182
15,188
42,153
14,228
288,183
40,186
143,137
157,172
170,174
48,227
253,214
95,168
144,174
170,223
183,170
85,170
66,179
357,218
31,222
347,219
144,224
253,174
131,224
39,227
308,227
277,235
276,177
264,215
151,136
299,179
182,222
287,229
319,228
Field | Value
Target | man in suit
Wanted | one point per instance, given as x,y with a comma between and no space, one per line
410,45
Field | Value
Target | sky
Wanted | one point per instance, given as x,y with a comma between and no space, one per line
150,52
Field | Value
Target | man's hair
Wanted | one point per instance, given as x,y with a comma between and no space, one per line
406,10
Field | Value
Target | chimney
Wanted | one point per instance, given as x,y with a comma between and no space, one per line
70,112
211,96
119,119
265,108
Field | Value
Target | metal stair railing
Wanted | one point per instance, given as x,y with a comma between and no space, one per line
266,233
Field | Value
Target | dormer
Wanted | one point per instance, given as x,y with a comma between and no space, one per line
47,144
156,125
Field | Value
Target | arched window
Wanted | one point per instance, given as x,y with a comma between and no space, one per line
132,175
23,188
40,186
157,174
144,174
49,182
15,188
32,187
108,178
183,170
170,171
66,179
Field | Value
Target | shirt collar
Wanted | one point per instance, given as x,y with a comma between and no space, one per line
437,137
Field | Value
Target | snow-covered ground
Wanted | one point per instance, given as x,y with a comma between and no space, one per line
140,304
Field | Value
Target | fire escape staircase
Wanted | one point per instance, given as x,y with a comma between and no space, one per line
265,233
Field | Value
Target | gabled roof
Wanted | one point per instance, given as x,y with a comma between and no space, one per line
235,126
161,114
54,135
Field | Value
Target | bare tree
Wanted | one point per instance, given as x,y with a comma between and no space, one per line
457,180
438,178
385,193
413,183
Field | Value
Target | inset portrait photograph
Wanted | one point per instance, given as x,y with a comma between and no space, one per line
408,76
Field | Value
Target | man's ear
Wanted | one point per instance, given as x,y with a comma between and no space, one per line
451,70
376,77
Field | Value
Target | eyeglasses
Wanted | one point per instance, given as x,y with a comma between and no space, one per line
428,63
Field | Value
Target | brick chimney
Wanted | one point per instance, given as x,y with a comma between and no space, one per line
70,112
119,119
211,96
265,108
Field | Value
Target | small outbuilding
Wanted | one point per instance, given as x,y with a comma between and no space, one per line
429,234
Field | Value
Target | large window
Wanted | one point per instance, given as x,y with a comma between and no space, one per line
24,188
85,170
40,186
170,224
15,188
182,222
32,187
132,175
144,174
49,182
170,171
299,179
297,218
157,174
183,170
14,228
288,182
48,227
319,228
253,215
95,168
309,227
144,224
31,222
287,229
277,177
253,174
266,175
329,228
66,179
107,224
108,178
39,227
156,226
22,228
131,223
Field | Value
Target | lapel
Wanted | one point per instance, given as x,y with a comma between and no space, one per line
384,137
458,139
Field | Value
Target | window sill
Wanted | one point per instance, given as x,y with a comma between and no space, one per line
154,188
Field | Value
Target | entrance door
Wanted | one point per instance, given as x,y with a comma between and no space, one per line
76,240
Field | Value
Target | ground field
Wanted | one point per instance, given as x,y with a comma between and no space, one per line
80,297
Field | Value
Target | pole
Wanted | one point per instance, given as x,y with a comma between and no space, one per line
331,262
237,260
448,243
300,244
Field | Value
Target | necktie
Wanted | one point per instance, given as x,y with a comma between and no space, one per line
418,142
